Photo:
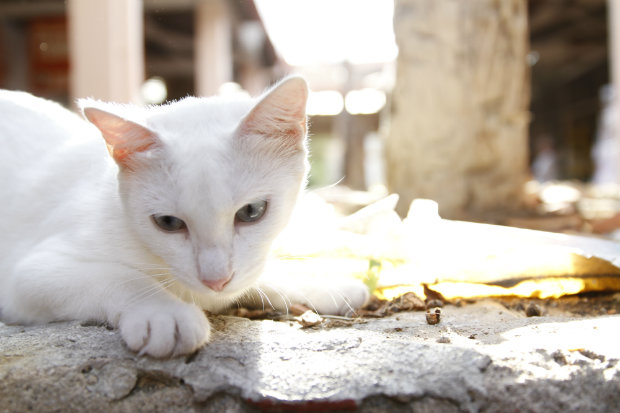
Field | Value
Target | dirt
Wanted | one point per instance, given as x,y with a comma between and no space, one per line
592,304
584,305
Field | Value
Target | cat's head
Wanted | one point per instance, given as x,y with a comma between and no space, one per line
208,183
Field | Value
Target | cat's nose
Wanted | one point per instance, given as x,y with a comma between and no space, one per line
217,284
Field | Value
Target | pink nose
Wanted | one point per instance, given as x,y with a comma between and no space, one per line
218,284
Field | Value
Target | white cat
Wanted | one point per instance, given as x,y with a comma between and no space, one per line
179,218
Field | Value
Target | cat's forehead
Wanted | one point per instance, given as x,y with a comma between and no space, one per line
195,116
203,162
199,151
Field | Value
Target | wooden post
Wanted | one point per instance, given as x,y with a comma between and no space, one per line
613,12
213,47
613,23
106,49
460,105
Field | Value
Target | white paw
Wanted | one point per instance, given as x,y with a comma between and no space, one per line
164,330
338,296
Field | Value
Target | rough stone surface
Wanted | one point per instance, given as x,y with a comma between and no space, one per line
459,113
491,359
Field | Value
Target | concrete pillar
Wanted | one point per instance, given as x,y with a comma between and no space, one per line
460,105
213,47
106,49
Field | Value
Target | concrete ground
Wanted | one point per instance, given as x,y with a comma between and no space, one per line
481,357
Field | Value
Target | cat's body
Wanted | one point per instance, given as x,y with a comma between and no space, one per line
181,216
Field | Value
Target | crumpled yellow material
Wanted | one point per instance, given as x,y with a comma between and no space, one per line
457,259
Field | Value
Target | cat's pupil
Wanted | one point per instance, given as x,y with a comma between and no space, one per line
169,223
251,212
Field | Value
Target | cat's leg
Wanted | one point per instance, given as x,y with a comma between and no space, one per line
326,295
47,285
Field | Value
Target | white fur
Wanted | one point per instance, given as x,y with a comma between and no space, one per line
77,239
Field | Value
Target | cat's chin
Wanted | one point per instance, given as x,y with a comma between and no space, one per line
218,301
206,298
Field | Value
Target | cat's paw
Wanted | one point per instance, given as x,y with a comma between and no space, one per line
164,330
339,297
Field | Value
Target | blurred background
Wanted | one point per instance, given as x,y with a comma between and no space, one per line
503,111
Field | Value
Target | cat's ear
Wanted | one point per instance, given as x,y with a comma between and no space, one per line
124,138
281,113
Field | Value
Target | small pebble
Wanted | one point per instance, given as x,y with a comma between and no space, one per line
309,319
559,357
533,310
444,340
433,317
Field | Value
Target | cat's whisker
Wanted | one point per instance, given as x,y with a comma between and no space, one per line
144,277
331,296
158,273
156,270
150,291
131,280
260,294
285,300
150,267
263,294
310,303
162,274
147,266
344,299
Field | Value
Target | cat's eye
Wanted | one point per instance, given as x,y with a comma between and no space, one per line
169,223
251,212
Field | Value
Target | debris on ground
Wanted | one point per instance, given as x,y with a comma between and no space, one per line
255,314
433,298
309,319
577,305
533,310
382,308
433,317
298,309
589,304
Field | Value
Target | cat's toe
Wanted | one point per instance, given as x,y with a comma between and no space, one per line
161,339
134,330
191,332
165,331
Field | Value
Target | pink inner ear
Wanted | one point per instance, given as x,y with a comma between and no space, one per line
281,113
285,129
124,138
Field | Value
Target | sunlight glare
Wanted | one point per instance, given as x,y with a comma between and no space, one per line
325,31
232,90
364,101
154,91
325,103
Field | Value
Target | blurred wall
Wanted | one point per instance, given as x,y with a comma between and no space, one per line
105,49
